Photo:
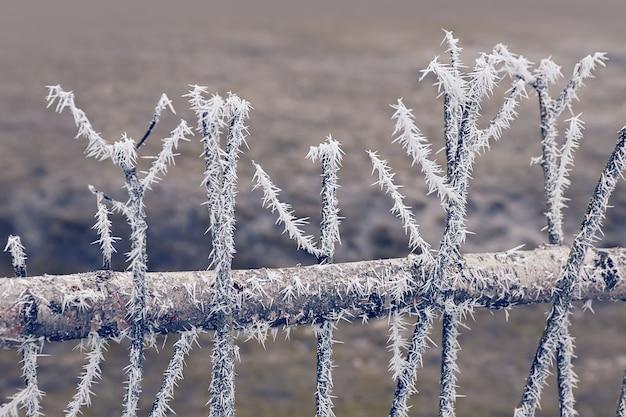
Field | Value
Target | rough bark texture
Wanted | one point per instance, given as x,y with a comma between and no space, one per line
70,306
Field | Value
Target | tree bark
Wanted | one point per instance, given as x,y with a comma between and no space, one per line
67,307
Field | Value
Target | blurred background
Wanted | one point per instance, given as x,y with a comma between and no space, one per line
309,69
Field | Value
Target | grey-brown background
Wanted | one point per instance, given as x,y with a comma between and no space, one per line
309,69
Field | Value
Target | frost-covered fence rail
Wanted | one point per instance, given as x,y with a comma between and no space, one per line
70,306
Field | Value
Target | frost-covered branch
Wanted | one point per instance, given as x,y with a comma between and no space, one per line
164,103
210,120
418,148
361,289
463,96
173,373
550,109
570,278
91,373
28,398
18,255
284,211
221,185
97,147
103,228
385,180
330,155
124,154
166,155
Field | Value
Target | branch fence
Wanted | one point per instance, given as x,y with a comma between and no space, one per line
138,305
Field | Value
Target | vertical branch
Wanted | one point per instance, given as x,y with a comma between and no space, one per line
124,154
566,378
557,323
554,163
210,115
408,376
222,386
330,155
29,349
324,376
449,347
91,372
18,255
451,104
103,228
173,373
549,159
462,102
137,258
549,111
480,84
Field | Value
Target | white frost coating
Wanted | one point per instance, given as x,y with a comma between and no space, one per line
164,103
549,71
97,147
573,135
385,180
18,254
124,153
557,326
516,66
447,79
398,344
103,228
330,155
28,398
173,373
91,373
285,212
80,299
166,155
502,120
418,148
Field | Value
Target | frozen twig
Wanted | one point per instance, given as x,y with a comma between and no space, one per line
419,150
124,154
411,228
173,373
91,373
220,182
103,228
18,255
284,211
557,324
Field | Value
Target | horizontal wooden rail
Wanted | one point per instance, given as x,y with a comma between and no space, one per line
68,307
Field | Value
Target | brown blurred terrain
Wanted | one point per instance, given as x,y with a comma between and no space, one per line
309,69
